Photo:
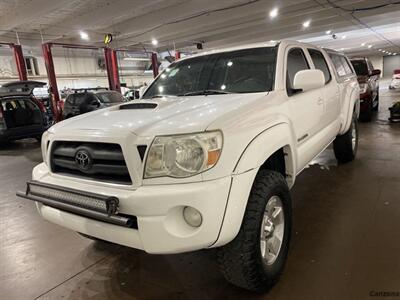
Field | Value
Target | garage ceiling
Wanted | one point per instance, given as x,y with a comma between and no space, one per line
216,23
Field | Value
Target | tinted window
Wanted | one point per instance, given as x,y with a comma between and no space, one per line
243,71
320,63
360,66
341,65
76,99
110,97
346,65
296,62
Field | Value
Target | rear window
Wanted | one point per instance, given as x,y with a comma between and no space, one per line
360,66
110,97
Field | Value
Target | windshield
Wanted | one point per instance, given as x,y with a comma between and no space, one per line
110,97
243,71
360,66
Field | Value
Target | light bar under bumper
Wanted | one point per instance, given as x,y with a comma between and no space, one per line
98,207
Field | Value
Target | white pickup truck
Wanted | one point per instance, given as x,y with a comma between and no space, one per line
206,158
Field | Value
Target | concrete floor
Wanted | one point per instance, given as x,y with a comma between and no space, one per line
346,237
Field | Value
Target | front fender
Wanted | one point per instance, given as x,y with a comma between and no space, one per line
256,153
264,145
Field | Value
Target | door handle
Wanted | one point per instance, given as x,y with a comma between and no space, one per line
320,101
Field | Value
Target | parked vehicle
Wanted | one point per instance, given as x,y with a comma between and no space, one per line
132,94
87,100
206,158
21,114
395,83
368,78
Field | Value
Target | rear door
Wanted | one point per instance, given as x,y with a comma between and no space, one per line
345,77
330,91
19,112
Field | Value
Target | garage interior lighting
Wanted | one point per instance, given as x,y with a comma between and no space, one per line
307,23
343,37
328,31
369,46
273,13
154,42
84,35
363,44
136,58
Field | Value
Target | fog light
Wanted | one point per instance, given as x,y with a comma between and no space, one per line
192,216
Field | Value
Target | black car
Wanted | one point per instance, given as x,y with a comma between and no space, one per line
83,101
21,114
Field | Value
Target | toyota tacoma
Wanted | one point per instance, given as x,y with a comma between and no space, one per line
206,158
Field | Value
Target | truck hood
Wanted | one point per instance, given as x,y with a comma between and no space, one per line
162,116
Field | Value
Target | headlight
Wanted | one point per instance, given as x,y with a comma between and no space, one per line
363,88
183,155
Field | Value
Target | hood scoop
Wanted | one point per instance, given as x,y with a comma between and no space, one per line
138,106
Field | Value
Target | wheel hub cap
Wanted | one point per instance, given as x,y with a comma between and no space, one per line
272,230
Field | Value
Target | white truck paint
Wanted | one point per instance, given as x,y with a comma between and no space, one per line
254,126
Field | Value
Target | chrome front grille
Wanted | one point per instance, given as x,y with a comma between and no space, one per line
95,161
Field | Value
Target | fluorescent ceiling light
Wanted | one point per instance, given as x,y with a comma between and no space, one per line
154,42
137,58
363,44
273,13
343,37
84,35
369,46
307,23
328,31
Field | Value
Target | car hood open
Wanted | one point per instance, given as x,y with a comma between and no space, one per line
168,115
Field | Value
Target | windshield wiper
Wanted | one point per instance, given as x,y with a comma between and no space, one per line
205,92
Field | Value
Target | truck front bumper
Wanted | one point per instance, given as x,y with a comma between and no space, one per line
161,227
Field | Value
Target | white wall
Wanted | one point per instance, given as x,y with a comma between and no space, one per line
391,63
377,62
76,69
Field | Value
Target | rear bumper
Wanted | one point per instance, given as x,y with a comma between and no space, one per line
365,101
21,132
161,227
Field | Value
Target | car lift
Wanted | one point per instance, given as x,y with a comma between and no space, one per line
19,60
111,66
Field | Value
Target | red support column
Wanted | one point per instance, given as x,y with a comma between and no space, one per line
177,55
154,63
112,69
55,97
20,62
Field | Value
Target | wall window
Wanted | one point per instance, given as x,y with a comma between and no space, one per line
32,67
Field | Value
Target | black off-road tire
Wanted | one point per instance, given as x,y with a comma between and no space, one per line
343,144
241,260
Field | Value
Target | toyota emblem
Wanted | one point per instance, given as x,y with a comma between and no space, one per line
83,160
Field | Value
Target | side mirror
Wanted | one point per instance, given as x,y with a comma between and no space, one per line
376,72
306,80
95,103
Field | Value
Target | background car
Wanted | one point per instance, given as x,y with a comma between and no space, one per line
21,114
368,78
395,83
86,100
